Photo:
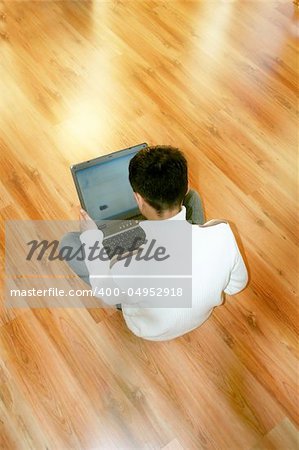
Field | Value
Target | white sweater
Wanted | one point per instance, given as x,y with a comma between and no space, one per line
217,267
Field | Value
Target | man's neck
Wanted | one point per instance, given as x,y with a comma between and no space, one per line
165,215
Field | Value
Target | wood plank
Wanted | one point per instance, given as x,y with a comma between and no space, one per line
284,435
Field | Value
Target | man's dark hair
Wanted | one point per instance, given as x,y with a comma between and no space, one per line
160,175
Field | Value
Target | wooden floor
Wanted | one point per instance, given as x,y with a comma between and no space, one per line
218,79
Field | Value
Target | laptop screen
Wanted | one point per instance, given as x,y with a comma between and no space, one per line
106,189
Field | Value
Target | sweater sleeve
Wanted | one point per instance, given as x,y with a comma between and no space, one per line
98,265
238,276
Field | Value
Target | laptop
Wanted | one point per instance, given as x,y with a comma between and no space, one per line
105,192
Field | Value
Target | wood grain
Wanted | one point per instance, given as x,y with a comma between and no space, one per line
220,81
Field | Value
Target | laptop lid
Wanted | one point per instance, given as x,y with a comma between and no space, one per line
103,185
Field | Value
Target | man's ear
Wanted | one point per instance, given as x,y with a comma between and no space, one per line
138,198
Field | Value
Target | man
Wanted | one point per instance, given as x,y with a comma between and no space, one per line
159,179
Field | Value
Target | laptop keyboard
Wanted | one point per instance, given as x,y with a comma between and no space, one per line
126,241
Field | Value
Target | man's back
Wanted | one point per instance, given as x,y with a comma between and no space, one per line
217,266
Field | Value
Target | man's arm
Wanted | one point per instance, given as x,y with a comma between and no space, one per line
238,276
100,277
98,263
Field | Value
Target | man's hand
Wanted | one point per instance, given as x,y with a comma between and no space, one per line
86,223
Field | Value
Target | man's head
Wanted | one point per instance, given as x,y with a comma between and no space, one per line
159,179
